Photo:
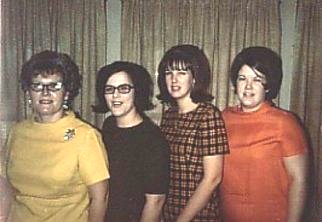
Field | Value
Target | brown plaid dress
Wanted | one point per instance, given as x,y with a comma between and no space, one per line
191,136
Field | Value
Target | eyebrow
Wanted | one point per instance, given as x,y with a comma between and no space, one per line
39,82
257,73
119,84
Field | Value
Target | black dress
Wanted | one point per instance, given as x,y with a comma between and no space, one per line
139,165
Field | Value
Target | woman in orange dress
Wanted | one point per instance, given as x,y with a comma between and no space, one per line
265,174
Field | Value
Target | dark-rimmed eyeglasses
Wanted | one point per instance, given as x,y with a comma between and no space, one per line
52,87
123,89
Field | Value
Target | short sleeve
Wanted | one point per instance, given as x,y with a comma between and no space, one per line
156,166
93,164
293,140
213,134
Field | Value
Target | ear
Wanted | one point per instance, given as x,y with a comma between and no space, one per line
193,82
66,96
27,94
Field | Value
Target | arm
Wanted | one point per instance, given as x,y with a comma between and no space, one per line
6,190
152,208
5,198
98,194
296,167
212,176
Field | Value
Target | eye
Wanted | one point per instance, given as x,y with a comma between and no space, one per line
241,78
182,72
109,89
36,86
124,87
55,86
168,72
258,79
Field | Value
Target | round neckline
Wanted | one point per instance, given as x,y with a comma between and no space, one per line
263,108
69,115
130,127
190,112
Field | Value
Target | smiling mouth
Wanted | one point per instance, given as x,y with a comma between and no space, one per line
45,102
175,88
248,94
117,103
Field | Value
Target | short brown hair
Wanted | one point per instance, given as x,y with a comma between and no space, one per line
265,61
52,62
143,85
196,61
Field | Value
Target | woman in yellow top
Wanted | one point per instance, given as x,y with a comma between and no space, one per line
57,165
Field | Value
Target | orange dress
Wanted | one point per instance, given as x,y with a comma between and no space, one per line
255,181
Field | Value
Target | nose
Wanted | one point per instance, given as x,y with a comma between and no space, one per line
249,84
116,93
45,90
173,77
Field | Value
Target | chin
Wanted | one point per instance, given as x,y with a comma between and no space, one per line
251,107
45,113
117,114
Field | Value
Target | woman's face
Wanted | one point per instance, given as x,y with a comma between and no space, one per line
250,88
47,95
179,83
119,95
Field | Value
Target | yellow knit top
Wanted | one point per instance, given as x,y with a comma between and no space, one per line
51,165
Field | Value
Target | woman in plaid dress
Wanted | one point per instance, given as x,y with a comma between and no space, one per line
196,133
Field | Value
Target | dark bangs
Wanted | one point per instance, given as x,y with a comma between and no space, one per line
186,57
178,65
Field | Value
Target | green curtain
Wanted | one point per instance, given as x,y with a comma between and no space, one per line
76,27
221,28
306,99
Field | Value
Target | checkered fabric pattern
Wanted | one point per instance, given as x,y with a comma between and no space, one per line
191,136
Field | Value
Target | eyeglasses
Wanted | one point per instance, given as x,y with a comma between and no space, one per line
123,89
52,87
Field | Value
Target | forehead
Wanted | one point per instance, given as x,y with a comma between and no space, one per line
178,65
119,78
246,70
47,77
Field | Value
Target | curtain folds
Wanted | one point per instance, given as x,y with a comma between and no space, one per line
306,99
77,28
221,28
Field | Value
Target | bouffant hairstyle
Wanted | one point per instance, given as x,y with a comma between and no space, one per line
263,60
142,82
48,63
193,59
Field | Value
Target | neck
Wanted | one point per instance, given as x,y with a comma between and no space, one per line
251,109
132,119
186,105
49,118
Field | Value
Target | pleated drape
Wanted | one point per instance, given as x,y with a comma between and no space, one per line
221,28
76,27
306,99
